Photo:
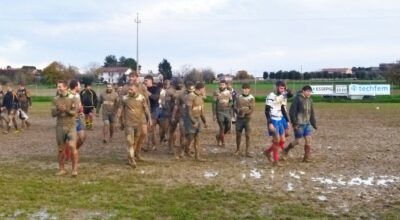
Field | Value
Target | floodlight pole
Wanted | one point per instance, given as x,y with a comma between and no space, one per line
137,21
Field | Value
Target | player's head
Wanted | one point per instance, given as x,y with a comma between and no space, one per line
222,85
109,88
200,88
74,85
21,85
190,86
246,88
148,80
178,83
306,90
280,87
166,84
132,89
62,86
133,77
88,85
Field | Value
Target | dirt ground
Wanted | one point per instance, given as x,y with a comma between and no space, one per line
355,158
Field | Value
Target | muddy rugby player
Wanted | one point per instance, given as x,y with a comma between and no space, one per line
302,116
194,109
222,111
244,107
135,113
64,109
108,103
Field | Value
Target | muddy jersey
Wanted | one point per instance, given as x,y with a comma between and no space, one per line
302,111
275,102
194,105
180,98
66,118
222,99
23,95
1,97
169,101
245,105
109,102
135,109
77,98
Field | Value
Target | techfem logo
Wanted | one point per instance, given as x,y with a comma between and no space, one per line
372,89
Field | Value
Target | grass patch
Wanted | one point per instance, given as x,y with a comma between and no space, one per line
130,196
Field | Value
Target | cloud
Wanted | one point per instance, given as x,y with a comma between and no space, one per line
179,8
12,46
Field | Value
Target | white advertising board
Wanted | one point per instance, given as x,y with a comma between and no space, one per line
322,89
341,89
372,89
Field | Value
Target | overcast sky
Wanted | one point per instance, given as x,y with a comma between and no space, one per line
224,35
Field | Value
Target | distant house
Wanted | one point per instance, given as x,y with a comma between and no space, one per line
26,74
338,70
113,74
226,77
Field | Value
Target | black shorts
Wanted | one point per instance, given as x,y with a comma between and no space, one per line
87,110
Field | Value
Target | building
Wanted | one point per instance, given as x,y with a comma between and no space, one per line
226,77
25,74
113,74
338,70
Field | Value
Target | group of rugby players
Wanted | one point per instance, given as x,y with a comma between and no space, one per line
14,105
139,107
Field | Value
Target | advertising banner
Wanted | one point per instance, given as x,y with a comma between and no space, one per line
322,89
341,89
371,89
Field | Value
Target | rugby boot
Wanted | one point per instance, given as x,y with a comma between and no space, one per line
74,173
276,164
287,149
139,158
267,154
61,172
197,156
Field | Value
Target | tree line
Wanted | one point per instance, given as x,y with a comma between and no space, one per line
58,71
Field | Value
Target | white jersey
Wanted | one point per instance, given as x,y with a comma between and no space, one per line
275,102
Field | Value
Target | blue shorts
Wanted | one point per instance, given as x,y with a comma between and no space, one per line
279,129
302,131
78,124
284,123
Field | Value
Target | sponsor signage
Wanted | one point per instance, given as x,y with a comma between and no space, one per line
371,89
341,89
322,89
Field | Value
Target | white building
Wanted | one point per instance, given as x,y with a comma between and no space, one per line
113,74
226,77
338,70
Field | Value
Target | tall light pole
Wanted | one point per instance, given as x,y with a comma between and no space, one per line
137,21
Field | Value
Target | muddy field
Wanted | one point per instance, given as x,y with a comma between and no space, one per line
355,168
